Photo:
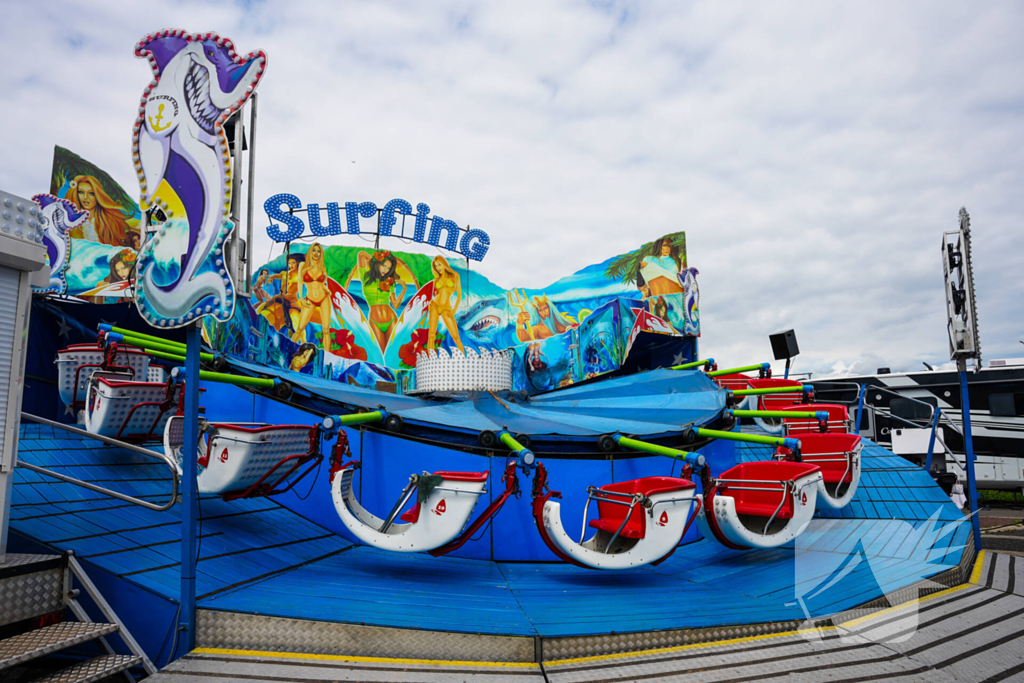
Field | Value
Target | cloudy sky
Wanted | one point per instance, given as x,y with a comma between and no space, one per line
813,152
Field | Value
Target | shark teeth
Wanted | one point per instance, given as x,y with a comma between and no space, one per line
485,322
197,95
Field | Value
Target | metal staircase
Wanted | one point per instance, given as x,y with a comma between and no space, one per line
36,592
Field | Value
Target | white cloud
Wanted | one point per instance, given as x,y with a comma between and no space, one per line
812,152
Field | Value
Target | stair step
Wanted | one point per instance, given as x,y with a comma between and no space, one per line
93,670
43,641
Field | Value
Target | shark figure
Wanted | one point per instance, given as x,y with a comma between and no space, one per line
198,81
484,320
691,302
59,217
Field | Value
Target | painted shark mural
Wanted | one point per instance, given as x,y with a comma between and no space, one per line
59,217
180,153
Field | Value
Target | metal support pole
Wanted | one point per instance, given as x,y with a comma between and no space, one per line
931,440
789,362
189,495
972,491
860,406
250,194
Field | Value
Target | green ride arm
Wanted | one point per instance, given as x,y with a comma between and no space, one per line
360,418
813,415
166,356
239,380
748,438
731,371
510,442
140,335
525,458
151,346
222,377
694,364
692,459
332,423
770,390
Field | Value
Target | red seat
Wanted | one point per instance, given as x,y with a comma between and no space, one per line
777,401
734,381
464,476
610,515
412,515
838,418
831,452
762,499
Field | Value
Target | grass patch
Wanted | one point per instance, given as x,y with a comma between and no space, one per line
1000,497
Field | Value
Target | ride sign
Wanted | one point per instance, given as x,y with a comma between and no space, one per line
471,243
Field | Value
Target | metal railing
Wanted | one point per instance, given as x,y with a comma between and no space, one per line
935,415
171,464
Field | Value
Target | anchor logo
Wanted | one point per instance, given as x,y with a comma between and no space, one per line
159,117
224,456
663,520
440,509
803,498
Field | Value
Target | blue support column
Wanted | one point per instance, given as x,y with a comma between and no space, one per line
189,496
972,491
931,440
860,406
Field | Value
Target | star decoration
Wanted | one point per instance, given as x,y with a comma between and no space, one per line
62,327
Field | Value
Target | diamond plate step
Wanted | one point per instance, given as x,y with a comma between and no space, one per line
43,641
93,670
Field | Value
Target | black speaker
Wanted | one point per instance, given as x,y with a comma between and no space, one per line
784,345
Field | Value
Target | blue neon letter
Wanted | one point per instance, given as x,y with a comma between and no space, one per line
422,210
295,225
333,220
388,217
437,224
474,244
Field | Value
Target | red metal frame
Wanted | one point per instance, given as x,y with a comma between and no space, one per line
109,354
511,488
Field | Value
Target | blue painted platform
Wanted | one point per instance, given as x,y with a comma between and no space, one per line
258,556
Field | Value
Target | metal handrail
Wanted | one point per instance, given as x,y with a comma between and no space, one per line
943,417
885,390
171,464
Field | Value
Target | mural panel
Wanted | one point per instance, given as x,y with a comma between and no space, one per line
362,316
100,249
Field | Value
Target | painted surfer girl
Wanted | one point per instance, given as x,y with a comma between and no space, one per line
659,272
302,357
656,268
385,278
446,284
106,223
313,276
261,282
283,309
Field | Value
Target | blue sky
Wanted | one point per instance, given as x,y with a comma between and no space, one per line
812,152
